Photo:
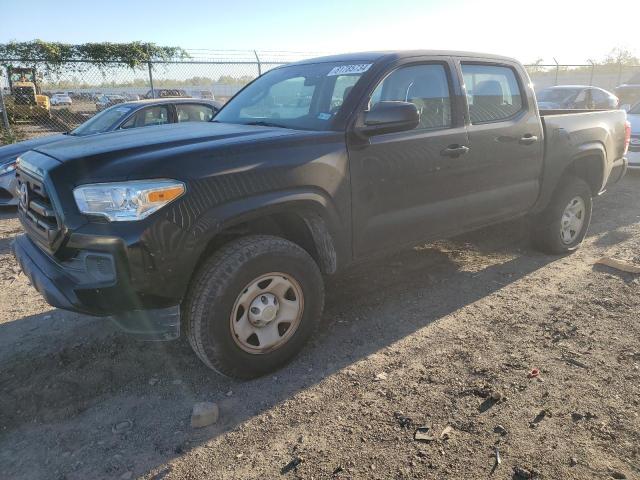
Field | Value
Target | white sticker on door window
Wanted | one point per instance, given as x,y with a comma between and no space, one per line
347,69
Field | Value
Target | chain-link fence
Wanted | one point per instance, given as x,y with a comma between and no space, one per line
38,100
607,76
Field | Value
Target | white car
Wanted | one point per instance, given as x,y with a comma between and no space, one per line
633,115
60,99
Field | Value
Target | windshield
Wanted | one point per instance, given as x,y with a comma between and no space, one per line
101,122
305,97
635,110
557,94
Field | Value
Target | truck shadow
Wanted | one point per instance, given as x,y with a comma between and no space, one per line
64,394
94,381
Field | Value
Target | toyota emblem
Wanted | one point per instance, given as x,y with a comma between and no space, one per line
24,196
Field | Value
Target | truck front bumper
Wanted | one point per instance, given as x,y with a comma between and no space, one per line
46,276
64,288
88,283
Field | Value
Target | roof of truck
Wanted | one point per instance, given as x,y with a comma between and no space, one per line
375,56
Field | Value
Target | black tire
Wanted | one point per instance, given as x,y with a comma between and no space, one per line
547,226
212,295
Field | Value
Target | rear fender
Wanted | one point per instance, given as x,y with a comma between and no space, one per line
561,163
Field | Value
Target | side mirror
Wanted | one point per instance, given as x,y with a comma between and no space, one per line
389,117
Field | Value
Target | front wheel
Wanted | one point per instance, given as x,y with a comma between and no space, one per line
253,305
563,225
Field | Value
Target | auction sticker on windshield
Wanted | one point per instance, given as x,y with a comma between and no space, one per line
347,69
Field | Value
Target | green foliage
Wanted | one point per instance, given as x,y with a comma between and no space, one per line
55,55
76,83
229,80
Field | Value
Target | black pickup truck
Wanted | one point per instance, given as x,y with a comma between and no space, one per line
312,166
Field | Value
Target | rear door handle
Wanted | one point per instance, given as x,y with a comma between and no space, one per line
454,150
528,139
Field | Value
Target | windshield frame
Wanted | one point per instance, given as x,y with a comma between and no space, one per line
339,119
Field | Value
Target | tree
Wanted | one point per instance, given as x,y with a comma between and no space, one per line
620,56
55,55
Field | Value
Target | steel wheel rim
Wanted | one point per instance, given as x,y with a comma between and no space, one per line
572,220
267,313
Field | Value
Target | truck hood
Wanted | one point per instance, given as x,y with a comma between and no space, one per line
9,153
184,136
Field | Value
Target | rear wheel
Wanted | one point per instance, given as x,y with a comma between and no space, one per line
253,305
563,225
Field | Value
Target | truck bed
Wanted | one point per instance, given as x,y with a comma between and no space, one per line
595,134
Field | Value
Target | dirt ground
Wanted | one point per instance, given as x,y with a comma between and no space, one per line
421,339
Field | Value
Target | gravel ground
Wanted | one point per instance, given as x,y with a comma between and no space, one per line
443,336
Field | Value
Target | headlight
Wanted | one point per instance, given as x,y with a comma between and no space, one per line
125,201
8,167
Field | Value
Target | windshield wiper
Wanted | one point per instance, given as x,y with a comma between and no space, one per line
262,123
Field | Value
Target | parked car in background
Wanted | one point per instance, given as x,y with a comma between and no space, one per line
60,99
166,93
629,92
578,97
633,115
203,94
122,116
106,101
233,222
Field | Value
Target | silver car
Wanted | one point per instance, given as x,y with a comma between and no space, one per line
118,117
633,115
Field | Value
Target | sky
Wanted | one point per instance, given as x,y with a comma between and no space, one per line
569,30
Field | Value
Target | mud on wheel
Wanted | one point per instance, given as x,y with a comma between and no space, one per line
253,305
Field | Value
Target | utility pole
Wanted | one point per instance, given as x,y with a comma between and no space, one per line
5,117
153,92
259,64
150,65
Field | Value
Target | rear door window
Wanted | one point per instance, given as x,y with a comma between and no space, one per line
493,92
191,112
599,99
158,115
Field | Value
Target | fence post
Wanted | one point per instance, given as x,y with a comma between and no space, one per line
259,64
557,68
593,66
5,117
619,73
153,92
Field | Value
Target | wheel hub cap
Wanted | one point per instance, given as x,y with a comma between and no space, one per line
267,313
572,220
263,309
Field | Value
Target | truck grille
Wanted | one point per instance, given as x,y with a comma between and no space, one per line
36,210
634,146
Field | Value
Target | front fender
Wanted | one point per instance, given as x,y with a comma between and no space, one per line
328,229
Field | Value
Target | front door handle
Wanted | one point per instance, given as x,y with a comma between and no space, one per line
528,139
454,150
